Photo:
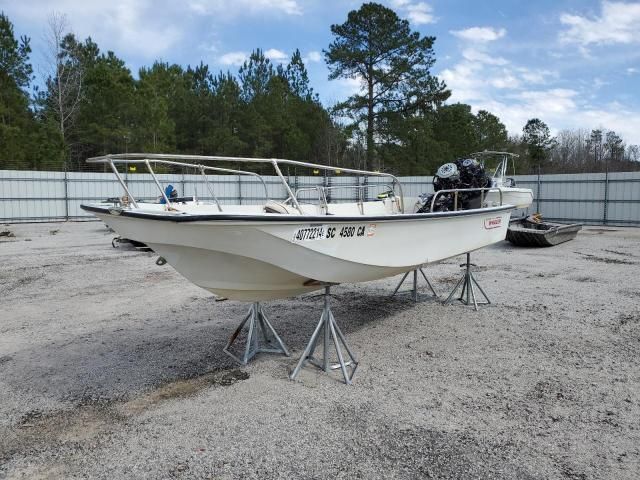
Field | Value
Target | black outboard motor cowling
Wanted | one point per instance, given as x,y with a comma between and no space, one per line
461,174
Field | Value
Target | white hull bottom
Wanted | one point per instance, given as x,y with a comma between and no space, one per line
259,259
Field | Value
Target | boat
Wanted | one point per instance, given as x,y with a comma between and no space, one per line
502,184
532,231
285,247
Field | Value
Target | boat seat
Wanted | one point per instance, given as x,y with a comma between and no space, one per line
278,207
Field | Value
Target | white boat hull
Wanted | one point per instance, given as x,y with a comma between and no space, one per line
519,197
276,256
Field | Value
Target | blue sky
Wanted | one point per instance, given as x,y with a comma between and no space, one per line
574,64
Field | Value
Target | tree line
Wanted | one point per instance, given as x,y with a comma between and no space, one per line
89,103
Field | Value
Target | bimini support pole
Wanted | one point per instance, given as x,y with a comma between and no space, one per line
414,291
468,293
259,328
331,332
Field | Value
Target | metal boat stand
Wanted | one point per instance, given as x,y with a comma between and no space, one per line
468,294
414,291
331,331
259,327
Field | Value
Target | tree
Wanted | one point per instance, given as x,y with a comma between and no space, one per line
490,132
614,146
454,124
393,63
633,153
227,107
255,75
65,74
538,141
296,75
15,76
596,148
108,110
152,124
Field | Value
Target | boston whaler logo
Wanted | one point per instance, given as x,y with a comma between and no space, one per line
490,223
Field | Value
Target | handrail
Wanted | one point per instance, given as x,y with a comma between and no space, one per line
492,152
455,192
502,167
146,159
322,192
164,157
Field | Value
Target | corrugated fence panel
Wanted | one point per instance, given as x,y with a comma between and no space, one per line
46,196
30,196
623,205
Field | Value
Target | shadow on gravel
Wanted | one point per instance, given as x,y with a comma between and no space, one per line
103,365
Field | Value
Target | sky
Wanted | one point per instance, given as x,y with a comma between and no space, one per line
571,63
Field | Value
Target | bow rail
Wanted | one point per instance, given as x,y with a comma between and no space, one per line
180,160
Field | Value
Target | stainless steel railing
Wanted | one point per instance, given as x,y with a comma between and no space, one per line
171,159
456,192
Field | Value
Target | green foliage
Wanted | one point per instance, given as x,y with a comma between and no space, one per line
490,132
107,115
24,141
538,141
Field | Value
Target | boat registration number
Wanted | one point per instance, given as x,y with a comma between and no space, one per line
321,232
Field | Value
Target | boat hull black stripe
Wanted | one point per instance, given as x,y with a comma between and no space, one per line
294,218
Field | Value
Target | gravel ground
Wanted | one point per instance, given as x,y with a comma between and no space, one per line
112,367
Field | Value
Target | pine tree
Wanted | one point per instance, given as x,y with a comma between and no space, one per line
393,63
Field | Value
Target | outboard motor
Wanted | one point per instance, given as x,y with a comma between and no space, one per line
461,174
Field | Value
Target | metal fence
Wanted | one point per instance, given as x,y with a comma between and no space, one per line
30,196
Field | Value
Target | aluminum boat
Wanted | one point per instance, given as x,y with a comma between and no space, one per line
284,247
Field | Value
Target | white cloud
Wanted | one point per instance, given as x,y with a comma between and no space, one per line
313,56
515,94
276,55
129,27
474,55
505,81
535,76
242,7
418,13
233,58
618,23
553,101
598,83
238,58
481,86
479,34
351,85
465,80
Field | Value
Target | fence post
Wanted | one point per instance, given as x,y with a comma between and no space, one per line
66,194
606,197
538,192
240,189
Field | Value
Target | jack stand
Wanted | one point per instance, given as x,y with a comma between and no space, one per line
467,281
331,332
259,326
415,284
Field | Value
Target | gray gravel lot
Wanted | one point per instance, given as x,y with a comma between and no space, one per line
112,367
